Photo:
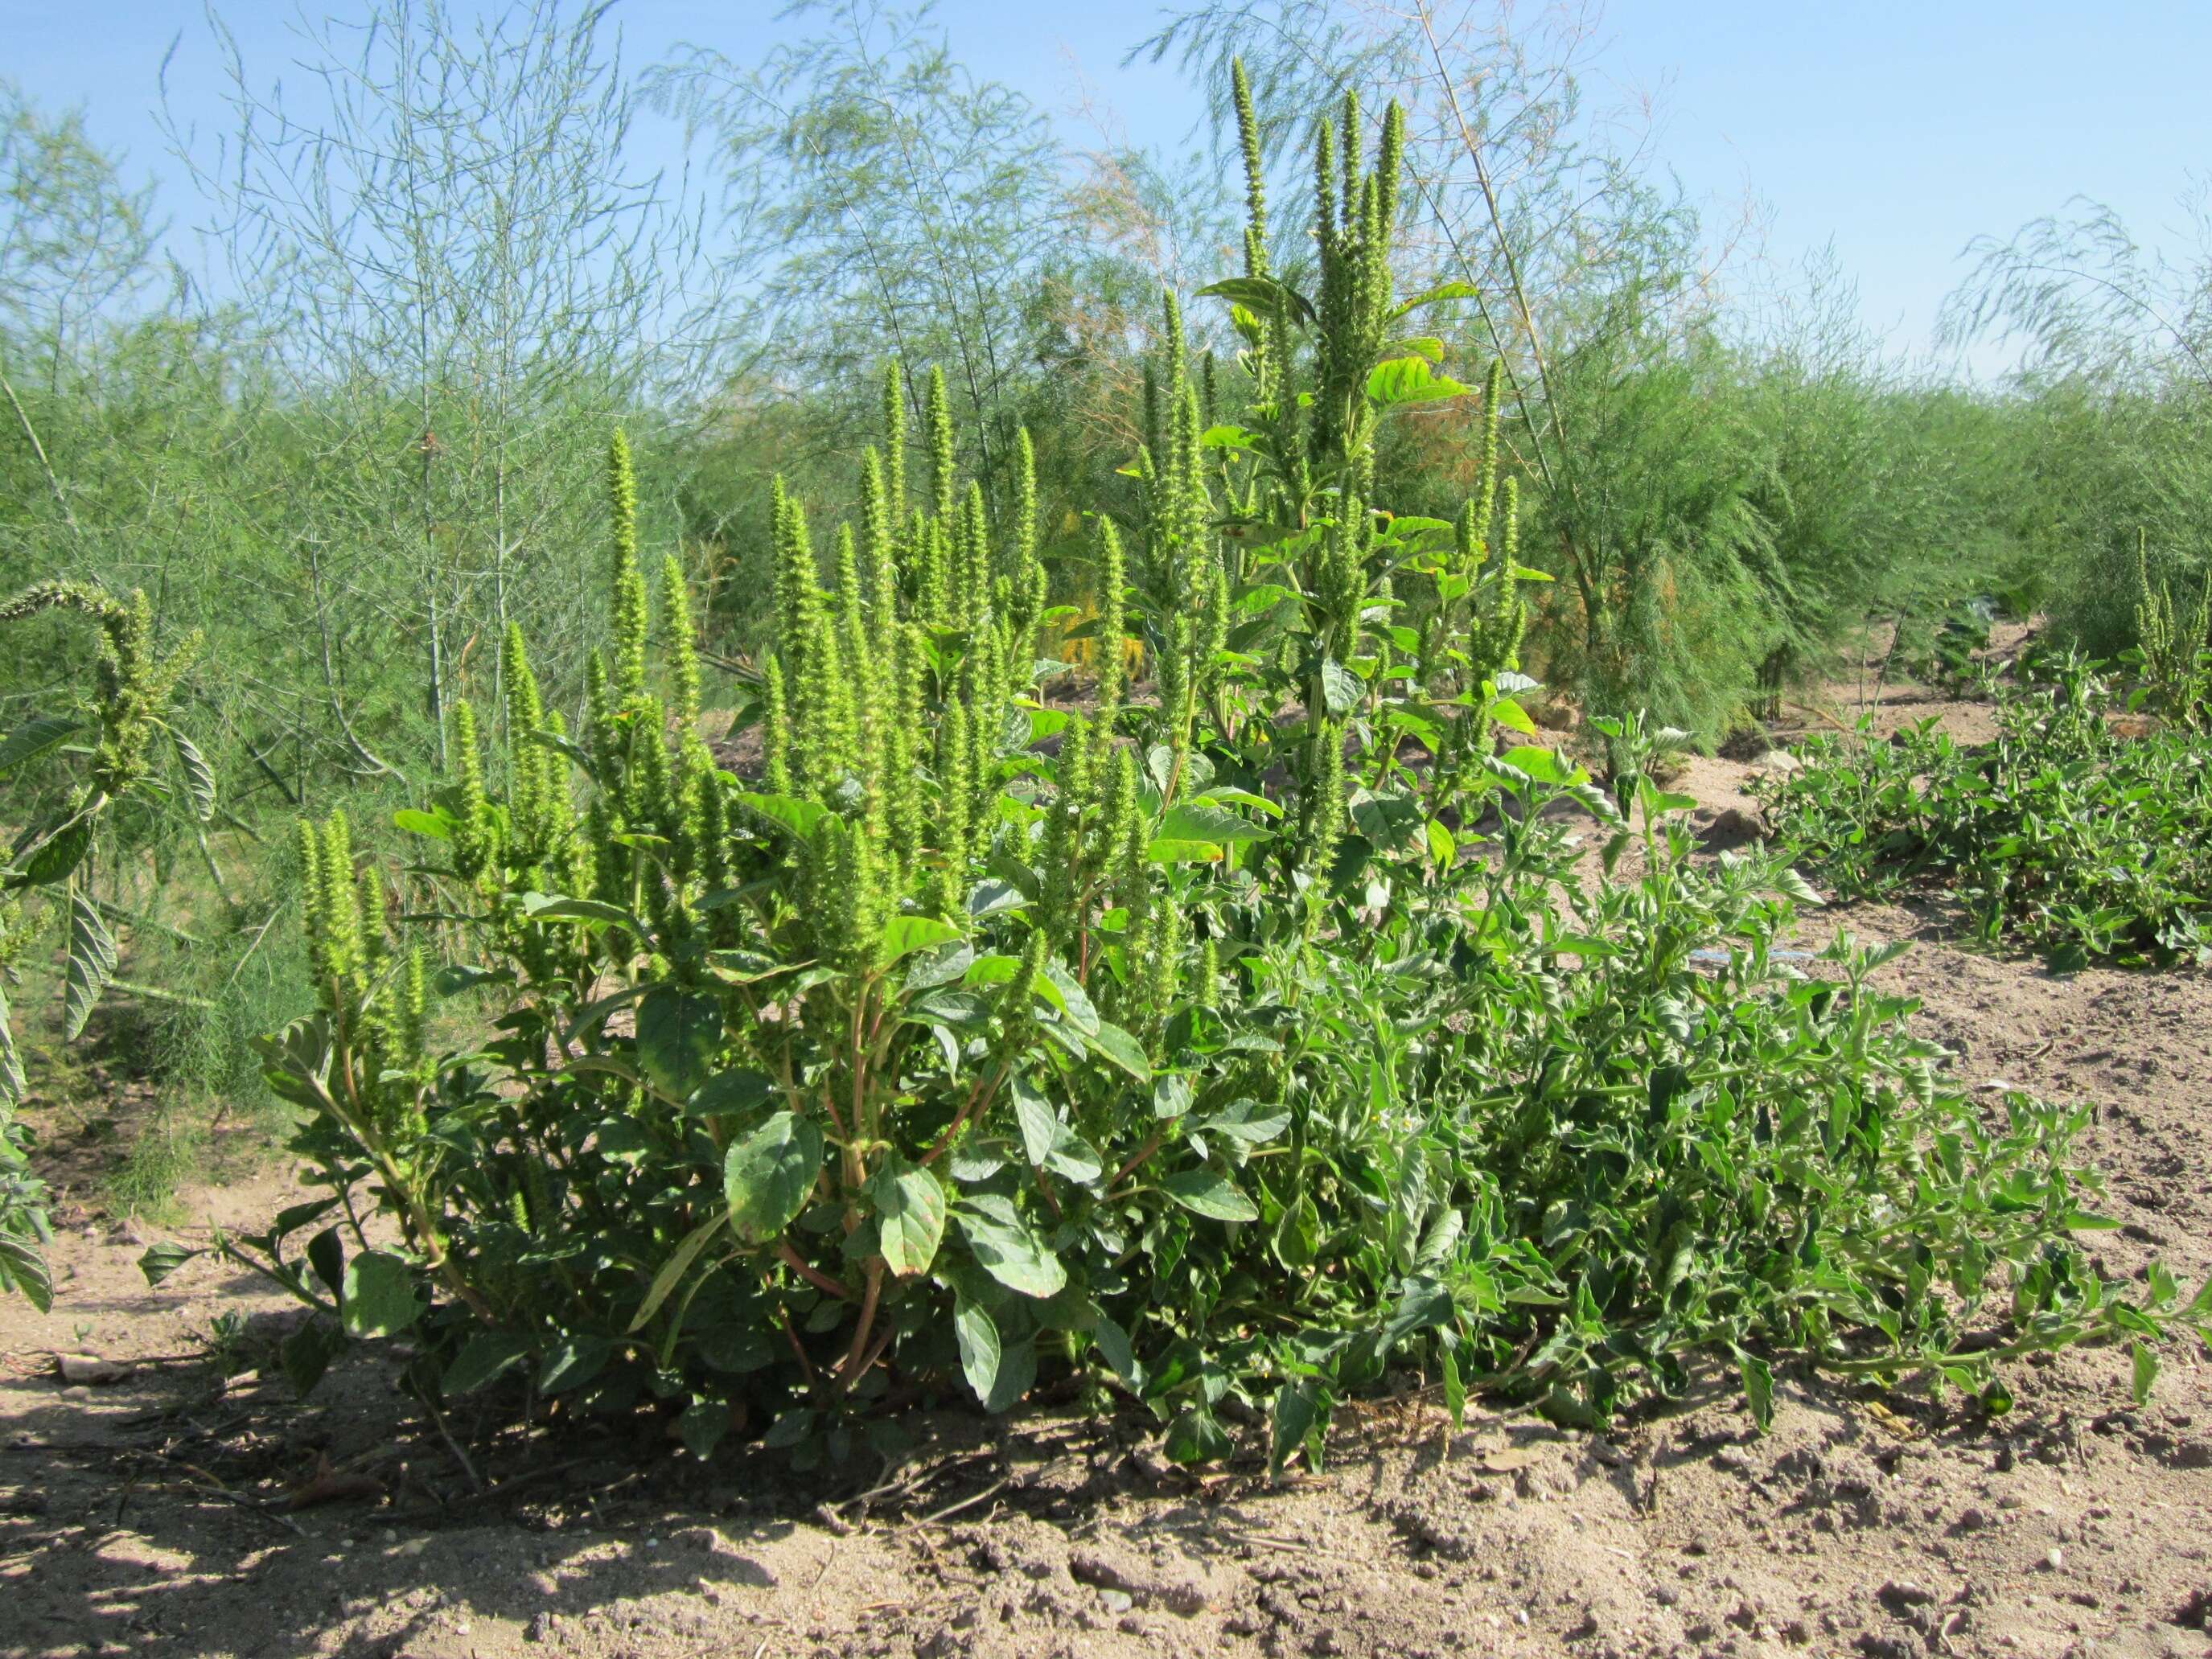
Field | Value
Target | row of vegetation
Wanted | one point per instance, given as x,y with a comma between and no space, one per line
1073,901
2078,832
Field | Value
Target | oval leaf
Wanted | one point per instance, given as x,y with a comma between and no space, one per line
768,1175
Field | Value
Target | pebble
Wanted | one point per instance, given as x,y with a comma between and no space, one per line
2055,1559
1117,1600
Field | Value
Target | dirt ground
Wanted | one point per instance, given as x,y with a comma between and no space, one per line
155,1515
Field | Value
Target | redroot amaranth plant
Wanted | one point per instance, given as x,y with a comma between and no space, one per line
53,857
1170,1042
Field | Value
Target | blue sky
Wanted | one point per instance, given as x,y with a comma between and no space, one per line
1896,131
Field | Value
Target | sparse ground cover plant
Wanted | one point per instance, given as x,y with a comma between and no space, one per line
1221,1047
2080,832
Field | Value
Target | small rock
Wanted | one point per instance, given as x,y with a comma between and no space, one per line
86,1368
1779,760
2055,1559
1897,1594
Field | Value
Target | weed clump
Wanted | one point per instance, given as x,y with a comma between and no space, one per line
2072,834
1219,1046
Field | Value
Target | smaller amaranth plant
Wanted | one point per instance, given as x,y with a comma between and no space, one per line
2067,835
68,771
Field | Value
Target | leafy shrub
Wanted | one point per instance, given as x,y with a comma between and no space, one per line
1222,1047
2063,834
67,793
2172,652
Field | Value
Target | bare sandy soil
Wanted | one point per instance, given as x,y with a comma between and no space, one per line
159,1515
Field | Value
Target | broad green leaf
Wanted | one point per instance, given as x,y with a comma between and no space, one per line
24,1267
1034,1117
1068,996
787,811
1115,1349
1205,1193
1451,290
380,1298
1758,1388
1163,851
307,1353
1341,689
1261,295
946,964
199,777
1196,1436
12,1085
730,1093
2143,1360
911,1210
33,738
1297,1234
55,857
702,1426
1390,821
1418,345
326,1255
1249,1121
1005,1247
553,907
1017,1374
903,935
978,1338
1110,1042
91,965
768,1175
678,1035
437,825
574,1363
1798,887
1539,762
1172,1095
1400,380
162,1259
1512,716
1200,821
1291,1420
1454,1386
1443,848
